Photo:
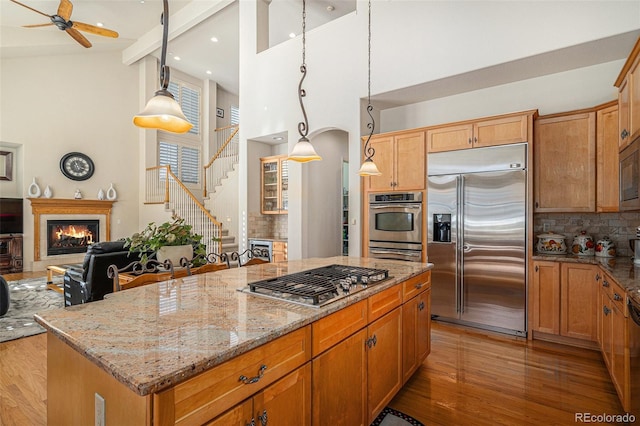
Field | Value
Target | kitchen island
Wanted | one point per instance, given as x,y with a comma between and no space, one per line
189,350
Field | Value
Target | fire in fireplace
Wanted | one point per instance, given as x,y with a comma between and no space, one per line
71,236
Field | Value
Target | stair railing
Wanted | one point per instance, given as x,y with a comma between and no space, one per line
223,160
162,186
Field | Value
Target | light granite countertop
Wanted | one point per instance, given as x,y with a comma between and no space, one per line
621,269
153,337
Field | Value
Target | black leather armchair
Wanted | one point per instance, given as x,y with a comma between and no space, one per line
91,282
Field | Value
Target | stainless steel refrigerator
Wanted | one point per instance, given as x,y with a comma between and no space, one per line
476,239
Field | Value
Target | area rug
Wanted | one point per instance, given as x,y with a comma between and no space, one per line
391,417
28,296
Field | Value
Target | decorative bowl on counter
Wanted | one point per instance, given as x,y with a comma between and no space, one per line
583,245
551,243
605,248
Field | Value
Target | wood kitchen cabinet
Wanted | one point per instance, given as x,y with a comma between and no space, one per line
10,254
545,297
274,185
564,298
286,402
614,345
416,323
401,160
628,84
608,159
279,253
490,132
565,163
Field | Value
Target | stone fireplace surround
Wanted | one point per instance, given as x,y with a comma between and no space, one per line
56,208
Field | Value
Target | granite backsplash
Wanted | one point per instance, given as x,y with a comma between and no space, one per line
620,227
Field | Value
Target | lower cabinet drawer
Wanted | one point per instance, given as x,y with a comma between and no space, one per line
207,395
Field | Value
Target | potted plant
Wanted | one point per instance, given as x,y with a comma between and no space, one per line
172,240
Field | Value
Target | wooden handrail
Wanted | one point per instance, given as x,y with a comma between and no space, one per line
225,127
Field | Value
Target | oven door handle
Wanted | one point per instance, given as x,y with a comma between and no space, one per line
402,253
391,206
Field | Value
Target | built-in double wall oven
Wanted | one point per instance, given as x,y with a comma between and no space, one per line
395,226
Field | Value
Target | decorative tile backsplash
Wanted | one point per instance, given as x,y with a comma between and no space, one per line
620,227
273,226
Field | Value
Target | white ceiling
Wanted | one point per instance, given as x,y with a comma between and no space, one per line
193,23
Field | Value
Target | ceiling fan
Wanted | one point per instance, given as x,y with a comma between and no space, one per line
61,20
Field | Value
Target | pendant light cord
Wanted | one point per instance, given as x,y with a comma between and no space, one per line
369,152
164,69
303,126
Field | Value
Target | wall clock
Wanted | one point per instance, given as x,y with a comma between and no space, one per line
76,166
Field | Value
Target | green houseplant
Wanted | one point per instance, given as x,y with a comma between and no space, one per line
173,233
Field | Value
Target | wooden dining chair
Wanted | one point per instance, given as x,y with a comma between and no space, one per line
138,274
254,256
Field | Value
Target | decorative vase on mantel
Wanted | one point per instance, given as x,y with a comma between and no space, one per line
48,193
174,253
111,193
34,189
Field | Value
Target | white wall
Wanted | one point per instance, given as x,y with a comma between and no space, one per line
322,197
576,89
52,105
412,42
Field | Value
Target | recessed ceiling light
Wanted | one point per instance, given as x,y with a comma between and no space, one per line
214,39
330,8
292,35
177,58
209,72
141,1
277,138
100,24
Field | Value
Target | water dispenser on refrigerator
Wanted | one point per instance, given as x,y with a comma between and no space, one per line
442,228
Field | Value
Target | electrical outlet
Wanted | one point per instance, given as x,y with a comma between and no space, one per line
545,227
100,412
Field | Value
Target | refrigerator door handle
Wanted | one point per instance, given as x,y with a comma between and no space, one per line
462,246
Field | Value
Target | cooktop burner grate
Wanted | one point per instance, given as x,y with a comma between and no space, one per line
318,284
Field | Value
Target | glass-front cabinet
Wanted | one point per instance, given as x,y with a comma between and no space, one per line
274,185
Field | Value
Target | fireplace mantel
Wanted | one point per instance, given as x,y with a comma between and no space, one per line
63,206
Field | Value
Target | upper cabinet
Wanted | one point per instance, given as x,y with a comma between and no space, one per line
628,84
607,159
274,185
401,160
565,163
489,132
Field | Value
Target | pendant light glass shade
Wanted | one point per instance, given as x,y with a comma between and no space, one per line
303,152
369,168
164,113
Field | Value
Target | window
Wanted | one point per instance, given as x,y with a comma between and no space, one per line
184,161
235,115
188,96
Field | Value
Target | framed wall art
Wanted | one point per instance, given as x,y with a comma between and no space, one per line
219,112
6,165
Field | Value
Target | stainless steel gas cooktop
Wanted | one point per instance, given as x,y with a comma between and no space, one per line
317,287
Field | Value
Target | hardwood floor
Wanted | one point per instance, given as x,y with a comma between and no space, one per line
471,377
476,378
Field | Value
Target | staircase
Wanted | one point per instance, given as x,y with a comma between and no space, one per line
163,187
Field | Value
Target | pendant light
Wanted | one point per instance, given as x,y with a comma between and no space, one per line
162,111
303,151
368,167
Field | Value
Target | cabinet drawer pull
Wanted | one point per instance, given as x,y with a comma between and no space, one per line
421,306
263,418
247,381
536,268
469,140
605,283
606,310
624,134
598,277
616,296
252,423
371,342
419,286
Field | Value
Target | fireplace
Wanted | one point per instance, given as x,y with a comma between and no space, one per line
71,236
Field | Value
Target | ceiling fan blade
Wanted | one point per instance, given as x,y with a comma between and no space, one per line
78,37
93,29
37,25
30,8
65,9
